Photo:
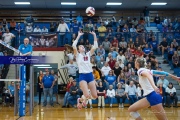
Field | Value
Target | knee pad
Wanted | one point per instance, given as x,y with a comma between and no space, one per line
134,115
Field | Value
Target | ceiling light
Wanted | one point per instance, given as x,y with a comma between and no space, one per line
41,65
68,3
155,3
22,3
113,3
44,67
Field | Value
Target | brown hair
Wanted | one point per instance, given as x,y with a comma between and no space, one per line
142,62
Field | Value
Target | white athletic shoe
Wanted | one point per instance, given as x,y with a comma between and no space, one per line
122,105
110,105
119,105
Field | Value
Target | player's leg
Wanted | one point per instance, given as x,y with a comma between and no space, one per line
143,103
159,112
93,90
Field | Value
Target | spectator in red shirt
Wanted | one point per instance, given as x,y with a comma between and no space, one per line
114,42
67,92
111,63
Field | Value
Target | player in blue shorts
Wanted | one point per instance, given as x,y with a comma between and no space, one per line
86,79
151,92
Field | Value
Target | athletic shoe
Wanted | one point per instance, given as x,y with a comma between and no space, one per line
63,106
122,105
119,105
110,105
79,104
91,107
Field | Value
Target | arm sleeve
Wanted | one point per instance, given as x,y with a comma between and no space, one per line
74,44
95,45
64,66
156,72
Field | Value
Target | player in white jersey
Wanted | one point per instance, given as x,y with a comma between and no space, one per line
151,92
86,79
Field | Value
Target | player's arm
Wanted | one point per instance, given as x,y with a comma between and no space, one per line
163,73
74,45
95,43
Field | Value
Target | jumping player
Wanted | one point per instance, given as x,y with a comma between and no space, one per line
86,79
152,98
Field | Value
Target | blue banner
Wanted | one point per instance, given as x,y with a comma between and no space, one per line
22,91
24,59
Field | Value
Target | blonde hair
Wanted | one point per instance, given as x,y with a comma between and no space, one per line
142,62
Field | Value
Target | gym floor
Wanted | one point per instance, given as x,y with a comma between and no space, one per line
58,113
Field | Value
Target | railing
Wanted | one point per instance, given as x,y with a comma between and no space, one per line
57,39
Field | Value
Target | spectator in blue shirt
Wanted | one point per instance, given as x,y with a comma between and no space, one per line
75,27
48,82
147,50
26,50
170,52
154,45
11,93
110,79
19,28
98,57
113,53
79,19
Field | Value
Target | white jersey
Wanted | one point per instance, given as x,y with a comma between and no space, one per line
144,82
84,63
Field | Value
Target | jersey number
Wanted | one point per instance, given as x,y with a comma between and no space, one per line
85,58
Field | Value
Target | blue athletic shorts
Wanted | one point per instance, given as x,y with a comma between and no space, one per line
88,77
154,98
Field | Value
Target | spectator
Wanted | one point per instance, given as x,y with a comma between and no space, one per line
93,63
98,57
135,22
1,31
162,93
134,77
40,87
100,63
157,19
11,93
113,53
105,69
121,22
146,16
110,94
171,95
69,84
123,43
131,93
106,22
110,79
79,19
175,60
48,84
120,95
114,43
101,95
42,41
90,25
101,50
175,44
4,24
29,29
52,27
133,29
111,63
117,69
164,81
121,57
19,28
139,92
147,50
55,87
7,37
12,25
106,45
75,27
102,30
163,46
74,94
96,74
170,52
72,68
154,45
108,57
44,29
62,29
86,31
121,64
29,21
37,29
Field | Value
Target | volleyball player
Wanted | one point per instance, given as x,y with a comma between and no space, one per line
152,98
86,79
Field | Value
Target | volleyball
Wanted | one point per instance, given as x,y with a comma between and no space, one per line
90,11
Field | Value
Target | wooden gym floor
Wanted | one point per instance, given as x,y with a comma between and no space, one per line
58,113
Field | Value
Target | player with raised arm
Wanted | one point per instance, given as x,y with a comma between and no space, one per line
151,92
86,79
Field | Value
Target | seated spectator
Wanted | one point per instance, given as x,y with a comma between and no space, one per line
106,45
102,30
121,22
108,57
114,43
37,29
42,41
134,77
122,78
147,50
163,46
100,63
117,69
96,74
162,92
101,50
171,95
120,95
101,91
98,57
11,93
175,60
93,63
110,94
121,57
170,52
139,92
175,44
126,72
123,43
4,24
105,69
131,93
74,94
29,21
29,28
110,79
154,45
164,81
19,28
7,37
44,29
113,53
133,29
110,34
134,22
12,25
121,64
69,84
111,63
89,101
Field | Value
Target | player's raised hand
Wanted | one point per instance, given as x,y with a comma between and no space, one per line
80,33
